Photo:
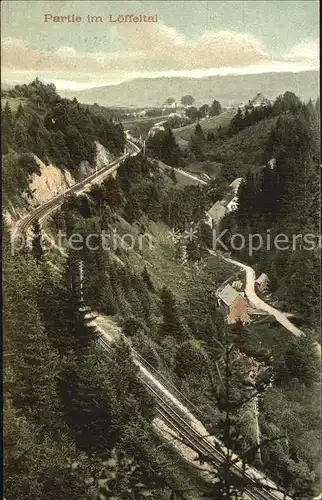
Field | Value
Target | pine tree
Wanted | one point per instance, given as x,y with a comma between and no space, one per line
269,194
7,119
38,465
170,153
300,361
247,121
173,176
248,199
37,247
215,108
190,360
317,107
20,112
20,135
132,210
146,277
127,388
88,406
237,123
199,131
4,146
171,324
33,362
63,313
112,192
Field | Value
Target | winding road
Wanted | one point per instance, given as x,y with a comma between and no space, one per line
259,303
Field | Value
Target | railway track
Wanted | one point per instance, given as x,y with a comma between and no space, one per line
255,482
49,206
166,410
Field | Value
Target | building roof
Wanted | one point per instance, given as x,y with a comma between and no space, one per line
217,211
259,100
262,279
235,184
182,142
227,199
272,163
228,295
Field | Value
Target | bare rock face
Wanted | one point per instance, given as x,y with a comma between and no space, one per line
51,182
103,156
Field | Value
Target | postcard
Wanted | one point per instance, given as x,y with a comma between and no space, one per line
161,249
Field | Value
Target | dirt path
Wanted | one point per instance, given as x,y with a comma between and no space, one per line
259,303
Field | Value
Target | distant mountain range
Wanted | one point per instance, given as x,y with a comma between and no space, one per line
229,90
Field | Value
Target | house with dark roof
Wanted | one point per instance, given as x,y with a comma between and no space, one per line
228,204
234,186
216,213
233,304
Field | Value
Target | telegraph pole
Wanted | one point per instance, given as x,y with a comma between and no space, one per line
81,275
257,430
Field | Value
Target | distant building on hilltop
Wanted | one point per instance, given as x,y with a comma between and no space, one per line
231,203
169,104
259,100
176,115
272,163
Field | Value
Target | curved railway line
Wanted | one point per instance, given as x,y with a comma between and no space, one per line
49,206
255,481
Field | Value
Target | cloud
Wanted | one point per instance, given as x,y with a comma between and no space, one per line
163,48
154,49
307,49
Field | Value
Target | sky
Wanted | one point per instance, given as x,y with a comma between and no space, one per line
190,38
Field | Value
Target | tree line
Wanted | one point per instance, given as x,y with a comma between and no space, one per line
284,198
57,130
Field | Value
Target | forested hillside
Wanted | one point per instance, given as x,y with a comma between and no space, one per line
283,198
79,422
37,121
167,308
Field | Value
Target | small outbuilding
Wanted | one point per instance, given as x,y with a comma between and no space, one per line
261,283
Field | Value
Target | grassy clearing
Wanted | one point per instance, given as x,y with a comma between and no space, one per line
211,168
235,155
160,259
26,103
247,146
109,325
211,123
184,181
14,102
152,119
157,252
